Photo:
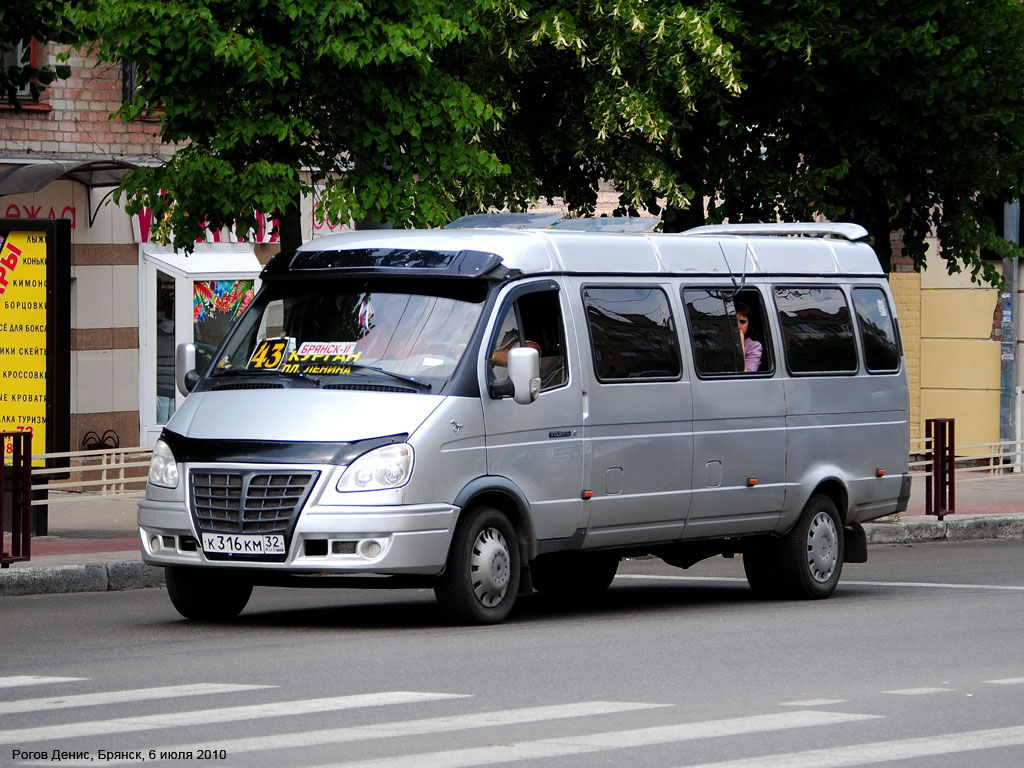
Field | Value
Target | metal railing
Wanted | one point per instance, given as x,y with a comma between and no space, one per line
100,472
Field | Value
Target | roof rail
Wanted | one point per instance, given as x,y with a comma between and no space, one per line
841,230
505,221
608,224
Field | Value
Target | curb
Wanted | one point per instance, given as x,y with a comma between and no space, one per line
95,577
118,576
988,527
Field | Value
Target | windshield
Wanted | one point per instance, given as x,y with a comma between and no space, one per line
409,334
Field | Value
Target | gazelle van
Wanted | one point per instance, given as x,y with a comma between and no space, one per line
494,411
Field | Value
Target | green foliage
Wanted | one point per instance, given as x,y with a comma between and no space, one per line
897,114
352,92
900,115
46,21
409,111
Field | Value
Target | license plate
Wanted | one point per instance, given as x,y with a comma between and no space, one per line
229,543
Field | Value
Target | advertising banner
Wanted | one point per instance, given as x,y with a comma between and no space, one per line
35,332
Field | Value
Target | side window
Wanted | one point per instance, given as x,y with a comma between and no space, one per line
533,320
632,333
877,330
816,330
728,331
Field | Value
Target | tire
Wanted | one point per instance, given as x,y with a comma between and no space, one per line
203,594
810,557
583,576
481,578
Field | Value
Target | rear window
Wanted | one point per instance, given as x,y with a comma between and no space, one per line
877,330
817,331
632,334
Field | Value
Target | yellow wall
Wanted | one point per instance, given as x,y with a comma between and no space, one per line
906,290
952,362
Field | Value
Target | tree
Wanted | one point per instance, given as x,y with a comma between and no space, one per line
395,110
898,114
20,22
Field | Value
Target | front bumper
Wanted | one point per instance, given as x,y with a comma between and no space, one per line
413,539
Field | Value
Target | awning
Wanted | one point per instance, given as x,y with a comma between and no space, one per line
21,178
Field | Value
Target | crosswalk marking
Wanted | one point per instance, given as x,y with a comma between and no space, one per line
418,727
546,749
883,751
222,715
20,680
116,697
812,702
918,691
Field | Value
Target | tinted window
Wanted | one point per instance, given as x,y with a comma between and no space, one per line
877,330
632,333
717,317
816,330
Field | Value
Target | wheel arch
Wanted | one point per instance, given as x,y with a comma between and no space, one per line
504,495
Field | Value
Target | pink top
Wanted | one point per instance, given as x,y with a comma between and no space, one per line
751,354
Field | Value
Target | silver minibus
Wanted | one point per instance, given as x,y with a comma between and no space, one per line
491,411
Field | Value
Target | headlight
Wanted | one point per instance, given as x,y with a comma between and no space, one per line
163,469
387,467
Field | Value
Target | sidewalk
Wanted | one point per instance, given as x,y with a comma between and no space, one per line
93,544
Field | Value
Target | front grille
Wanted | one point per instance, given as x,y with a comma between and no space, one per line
249,502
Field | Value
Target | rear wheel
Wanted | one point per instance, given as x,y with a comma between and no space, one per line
574,575
812,553
481,578
806,562
205,594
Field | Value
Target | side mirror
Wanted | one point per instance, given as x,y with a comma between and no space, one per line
524,373
185,376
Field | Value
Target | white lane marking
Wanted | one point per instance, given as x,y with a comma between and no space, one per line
416,727
222,715
915,584
883,751
546,749
116,697
1007,681
19,680
812,702
919,691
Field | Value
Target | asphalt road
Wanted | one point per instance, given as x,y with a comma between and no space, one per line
917,660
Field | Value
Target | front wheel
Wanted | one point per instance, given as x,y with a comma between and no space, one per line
206,594
481,577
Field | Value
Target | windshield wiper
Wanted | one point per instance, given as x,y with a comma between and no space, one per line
266,372
423,385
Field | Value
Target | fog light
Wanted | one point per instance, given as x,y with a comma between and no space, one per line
154,543
370,549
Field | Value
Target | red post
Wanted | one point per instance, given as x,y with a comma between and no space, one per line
940,492
16,495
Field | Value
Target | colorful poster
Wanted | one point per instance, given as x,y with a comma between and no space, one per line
23,320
